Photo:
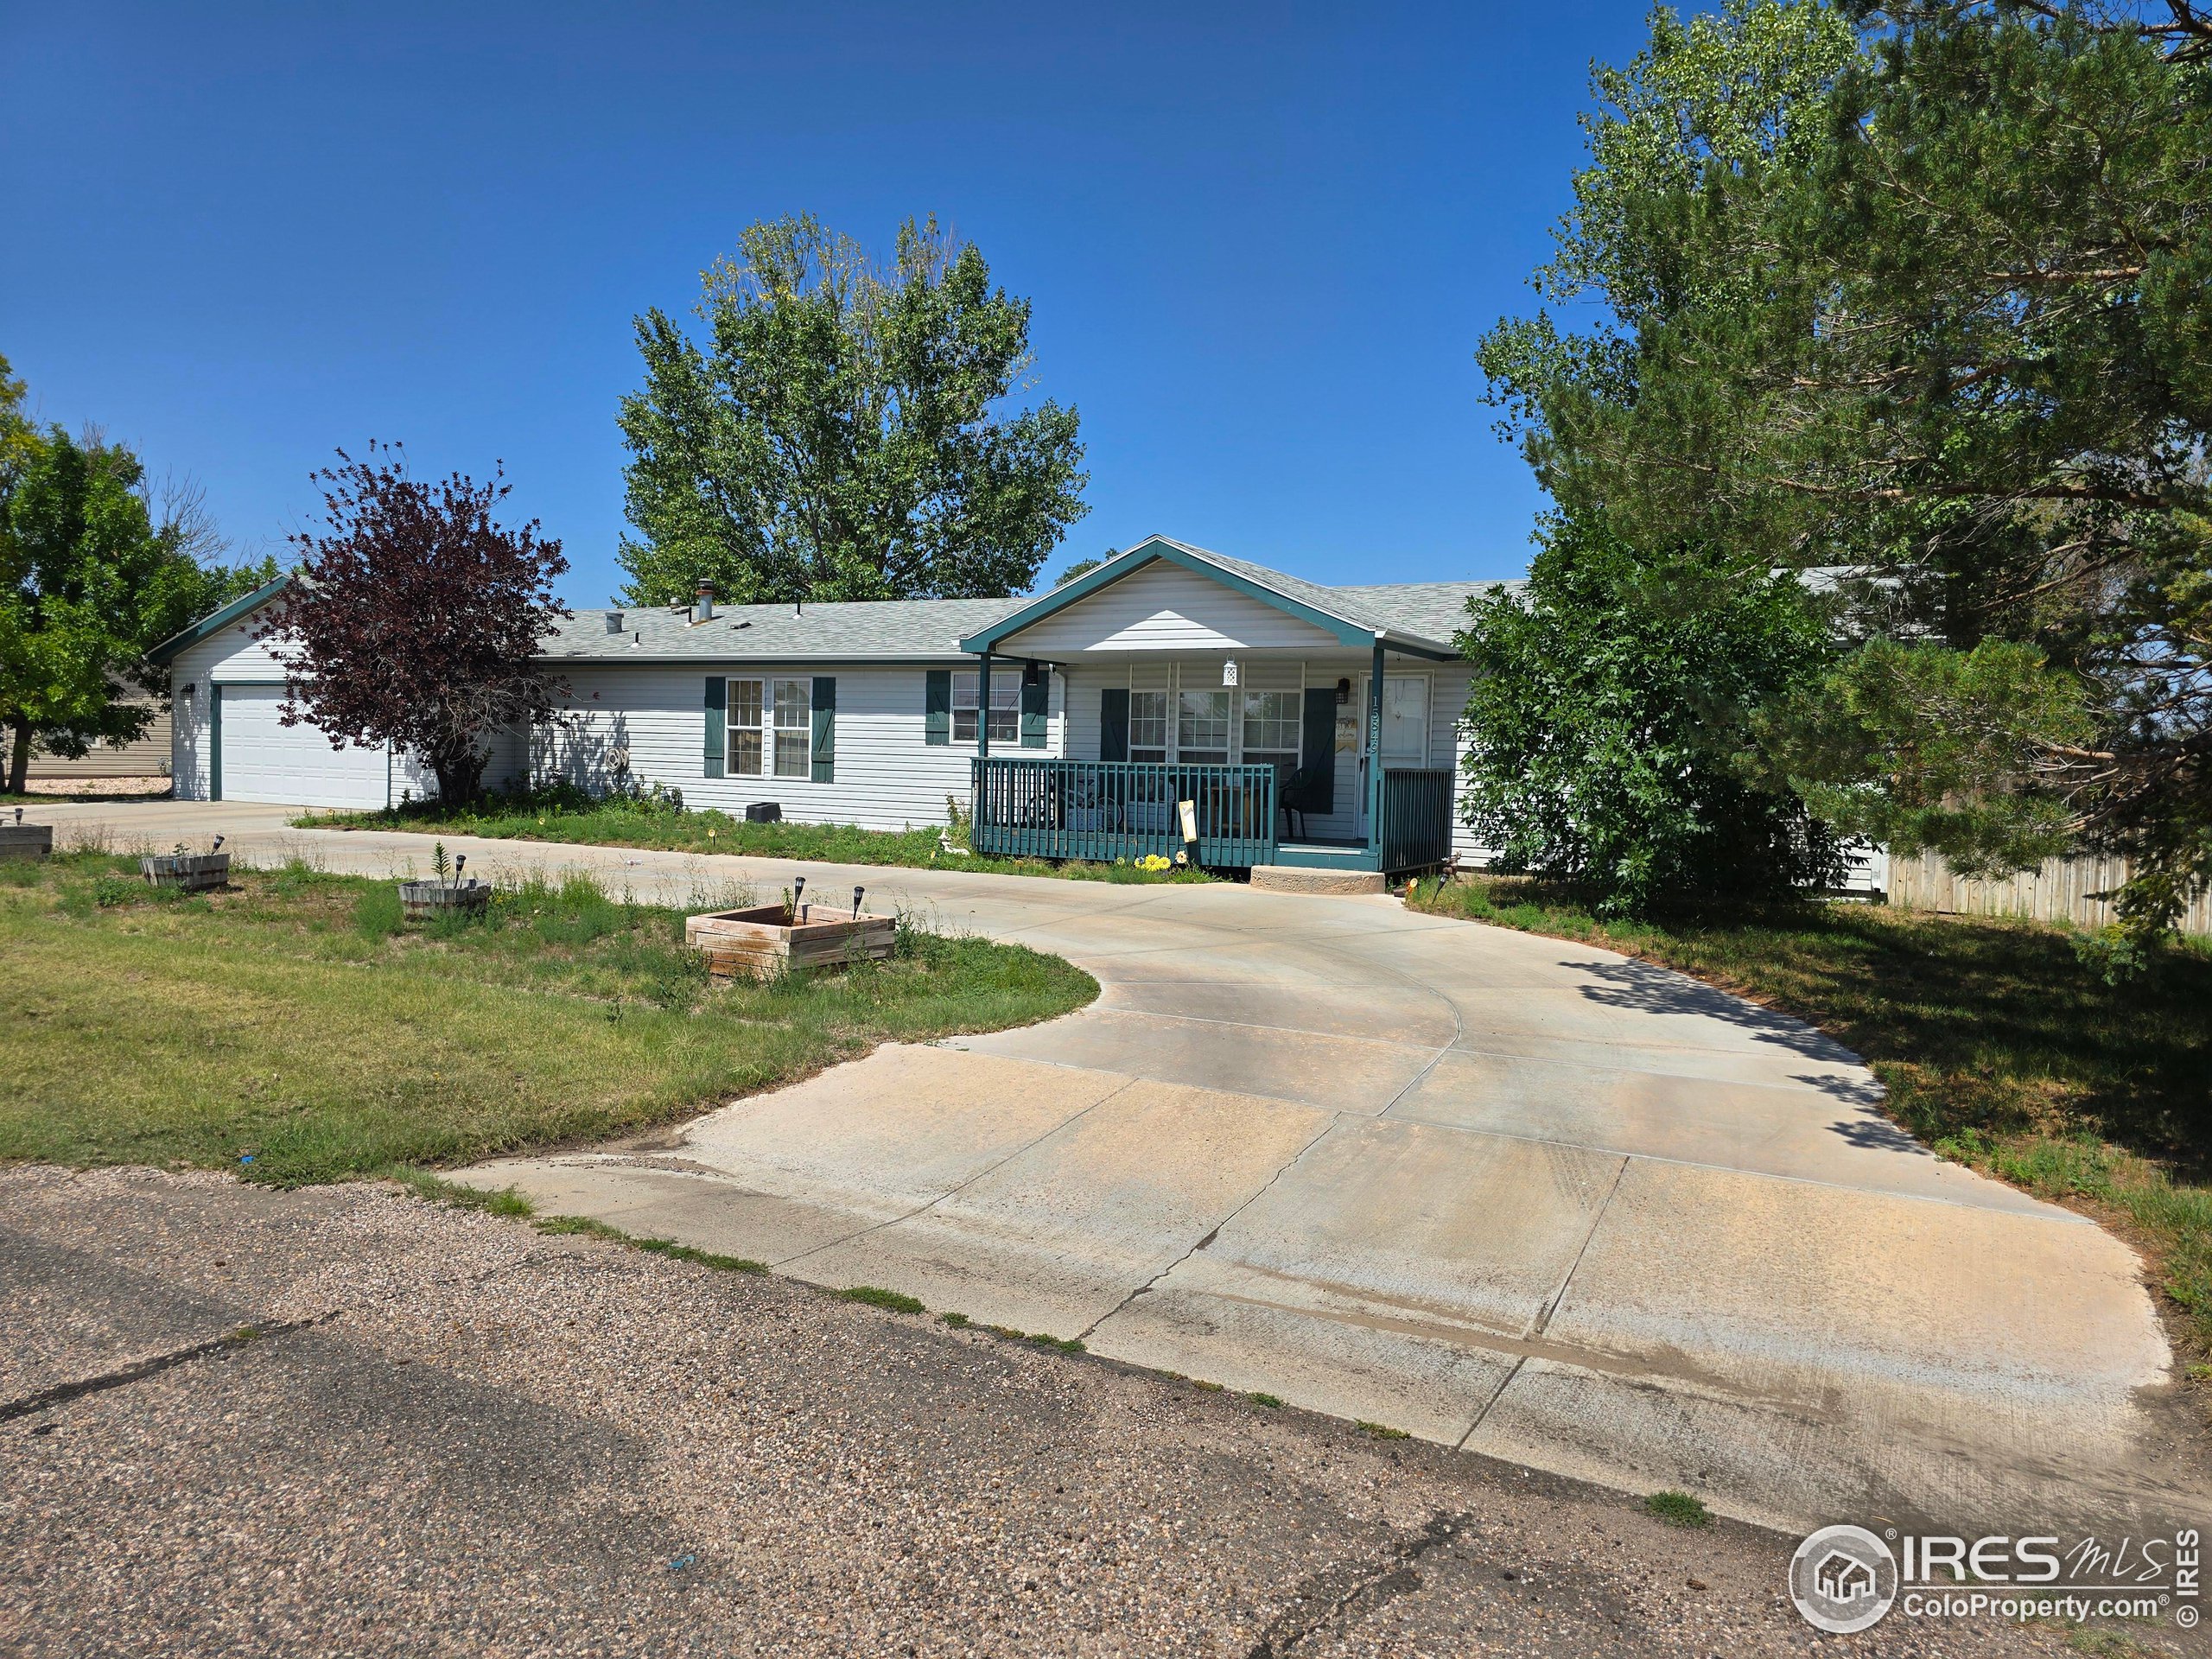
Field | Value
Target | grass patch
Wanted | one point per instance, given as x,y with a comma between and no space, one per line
566,814
280,1029
2000,1043
1382,1431
895,1301
1267,1400
1678,1509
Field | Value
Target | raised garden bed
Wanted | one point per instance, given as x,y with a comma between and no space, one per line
765,940
20,840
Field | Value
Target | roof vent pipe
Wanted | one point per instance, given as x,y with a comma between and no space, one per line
704,610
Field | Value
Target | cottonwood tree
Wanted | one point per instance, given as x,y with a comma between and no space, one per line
413,617
1921,295
96,568
845,431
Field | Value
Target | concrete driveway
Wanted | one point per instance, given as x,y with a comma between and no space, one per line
1508,1193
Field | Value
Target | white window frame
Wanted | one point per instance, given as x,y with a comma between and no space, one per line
782,748
1006,707
758,728
794,757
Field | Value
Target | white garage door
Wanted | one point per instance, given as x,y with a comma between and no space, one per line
264,760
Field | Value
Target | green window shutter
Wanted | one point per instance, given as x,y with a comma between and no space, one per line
1317,751
1036,702
937,707
1113,723
717,696
825,729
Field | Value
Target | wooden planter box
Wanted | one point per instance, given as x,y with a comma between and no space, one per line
426,901
26,840
767,939
194,872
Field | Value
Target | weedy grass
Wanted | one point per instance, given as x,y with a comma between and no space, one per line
2002,1044
288,1028
568,815
1678,1509
896,1301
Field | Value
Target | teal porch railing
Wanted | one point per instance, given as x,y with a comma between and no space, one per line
1416,817
1107,809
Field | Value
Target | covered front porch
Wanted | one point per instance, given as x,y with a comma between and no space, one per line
1176,704
1238,815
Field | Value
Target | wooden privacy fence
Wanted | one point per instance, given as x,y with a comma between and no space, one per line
2059,891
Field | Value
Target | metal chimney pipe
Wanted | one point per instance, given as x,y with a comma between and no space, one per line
704,610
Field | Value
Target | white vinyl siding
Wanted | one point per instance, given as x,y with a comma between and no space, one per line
887,776
1164,607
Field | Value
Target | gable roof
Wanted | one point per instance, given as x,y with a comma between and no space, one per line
215,621
1418,619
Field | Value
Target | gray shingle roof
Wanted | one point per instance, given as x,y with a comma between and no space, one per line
843,631
910,628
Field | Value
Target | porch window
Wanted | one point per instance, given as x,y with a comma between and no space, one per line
1148,727
1271,729
1405,720
1202,728
746,736
1006,707
794,728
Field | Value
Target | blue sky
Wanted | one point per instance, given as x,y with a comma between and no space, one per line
1260,241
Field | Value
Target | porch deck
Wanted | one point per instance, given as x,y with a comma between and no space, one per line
1107,811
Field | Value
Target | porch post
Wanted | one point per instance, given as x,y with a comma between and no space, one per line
1375,751
982,703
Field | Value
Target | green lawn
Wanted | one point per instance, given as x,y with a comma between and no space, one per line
293,1022
567,816
2001,1045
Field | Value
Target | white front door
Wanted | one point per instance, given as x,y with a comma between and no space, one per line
1405,730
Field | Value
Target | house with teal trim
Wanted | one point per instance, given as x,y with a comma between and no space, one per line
1173,701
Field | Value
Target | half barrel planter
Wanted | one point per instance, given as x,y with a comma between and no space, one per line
769,940
192,871
426,901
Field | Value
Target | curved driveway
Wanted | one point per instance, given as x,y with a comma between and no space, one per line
1534,1199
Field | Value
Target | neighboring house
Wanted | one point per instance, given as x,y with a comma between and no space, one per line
142,757
1074,723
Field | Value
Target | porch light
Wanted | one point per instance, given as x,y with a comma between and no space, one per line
1344,692
1228,670
1029,673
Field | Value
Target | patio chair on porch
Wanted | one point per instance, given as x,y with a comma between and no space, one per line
1299,790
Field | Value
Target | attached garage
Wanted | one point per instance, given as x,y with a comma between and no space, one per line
255,757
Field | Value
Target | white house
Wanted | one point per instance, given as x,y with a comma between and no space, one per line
1307,725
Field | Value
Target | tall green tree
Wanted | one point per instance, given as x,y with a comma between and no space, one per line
845,431
1920,297
1611,700
89,580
